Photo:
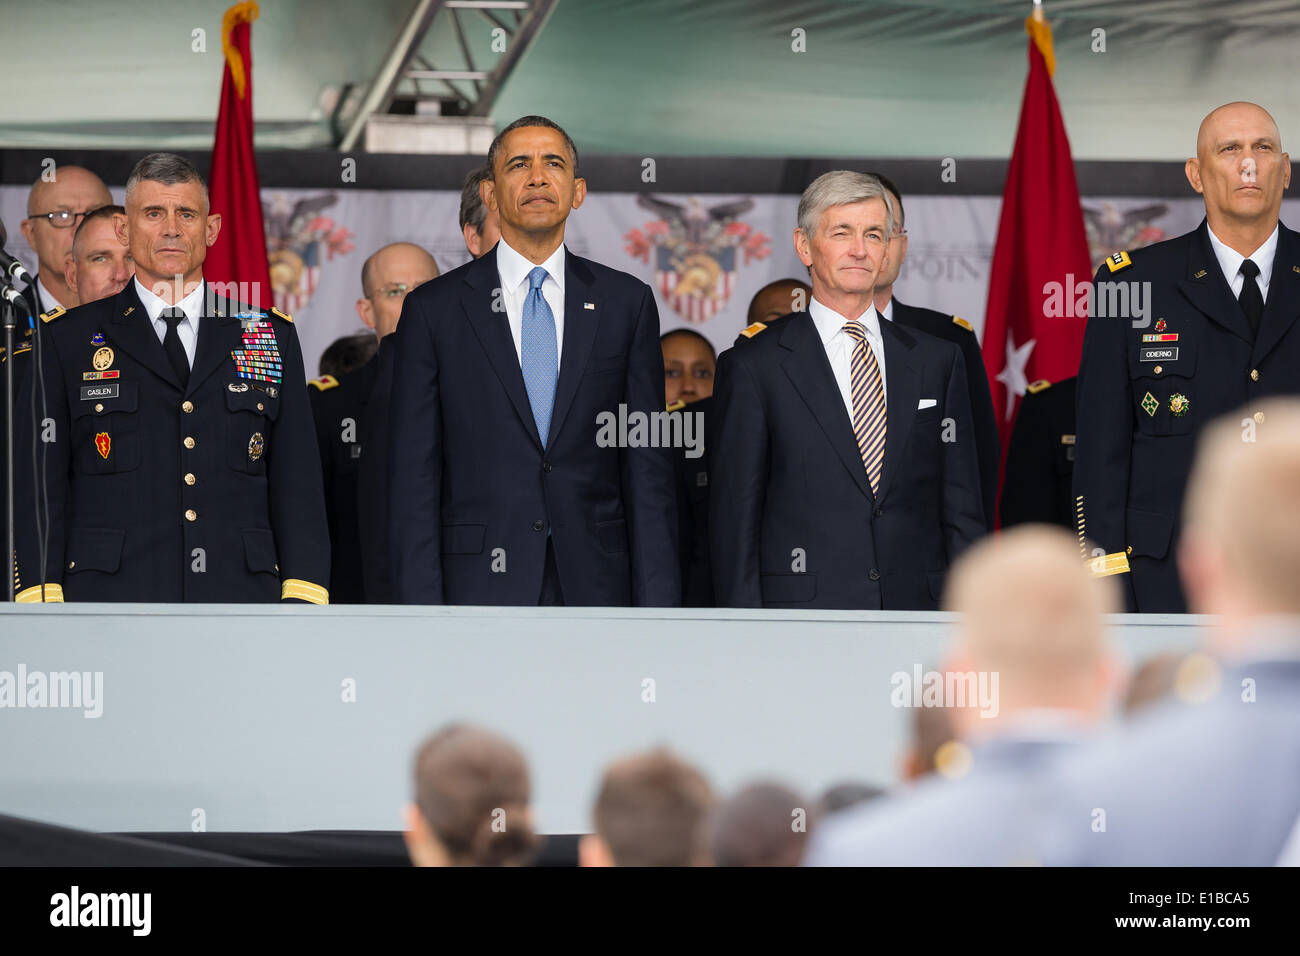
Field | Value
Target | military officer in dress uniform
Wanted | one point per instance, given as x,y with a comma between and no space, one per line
1216,329
1040,457
340,407
950,328
175,442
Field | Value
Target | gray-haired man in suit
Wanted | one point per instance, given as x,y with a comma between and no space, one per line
1032,632
1212,778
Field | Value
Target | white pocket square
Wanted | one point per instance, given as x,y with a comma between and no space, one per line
926,403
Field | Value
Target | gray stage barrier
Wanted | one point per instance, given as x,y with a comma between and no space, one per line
291,718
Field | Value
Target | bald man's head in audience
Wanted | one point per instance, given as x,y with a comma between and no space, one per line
471,805
386,278
652,810
1030,614
779,298
1239,552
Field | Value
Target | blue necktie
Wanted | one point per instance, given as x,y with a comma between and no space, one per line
540,358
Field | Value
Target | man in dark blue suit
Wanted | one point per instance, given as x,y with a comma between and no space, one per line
1183,331
844,464
506,489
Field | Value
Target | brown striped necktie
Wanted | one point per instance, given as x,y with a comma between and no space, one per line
868,391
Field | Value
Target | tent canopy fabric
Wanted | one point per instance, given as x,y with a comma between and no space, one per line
905,78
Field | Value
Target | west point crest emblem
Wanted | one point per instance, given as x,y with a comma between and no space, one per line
298,240
697,251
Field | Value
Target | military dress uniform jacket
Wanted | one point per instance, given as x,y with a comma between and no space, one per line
1144,394
1040,458
792,518
22,361
338,405
156,491
988,446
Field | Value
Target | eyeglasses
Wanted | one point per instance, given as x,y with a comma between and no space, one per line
60,218
395,291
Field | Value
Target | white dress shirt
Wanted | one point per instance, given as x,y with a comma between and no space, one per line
1230,261
513,270
887,312
839,346
48,302
188,328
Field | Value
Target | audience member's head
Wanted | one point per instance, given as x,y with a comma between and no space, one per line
471,801
777,298
100,264
652,810
480,225
1032,616
765,824
841,796
689,364
386,278
348,353
55,206
1240,548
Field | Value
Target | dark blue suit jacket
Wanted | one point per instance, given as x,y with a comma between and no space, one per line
787,476
474,491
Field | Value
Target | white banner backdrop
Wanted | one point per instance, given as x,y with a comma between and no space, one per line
704,256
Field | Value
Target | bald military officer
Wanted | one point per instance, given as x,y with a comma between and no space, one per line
1217,331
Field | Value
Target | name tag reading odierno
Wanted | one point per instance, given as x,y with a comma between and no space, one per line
1157,355
91,392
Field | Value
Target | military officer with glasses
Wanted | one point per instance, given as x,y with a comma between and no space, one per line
339,404
55,207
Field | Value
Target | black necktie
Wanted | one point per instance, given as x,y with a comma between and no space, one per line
1251,299
172,343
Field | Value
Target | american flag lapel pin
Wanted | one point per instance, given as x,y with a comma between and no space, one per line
589,305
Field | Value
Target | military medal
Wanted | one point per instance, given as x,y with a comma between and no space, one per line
103,444
1160,325
259,359
1150,404
102,359
255,446
1179,404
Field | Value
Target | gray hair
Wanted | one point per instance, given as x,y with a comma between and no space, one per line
168,169
840,187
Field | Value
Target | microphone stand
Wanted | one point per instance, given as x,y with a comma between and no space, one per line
10,314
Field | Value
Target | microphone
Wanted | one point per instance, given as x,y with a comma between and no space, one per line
9,266
15,298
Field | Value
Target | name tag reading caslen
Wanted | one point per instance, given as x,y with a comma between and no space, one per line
91,392
1157,355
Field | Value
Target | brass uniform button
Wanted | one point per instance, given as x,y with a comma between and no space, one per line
1254,375
261,407
190,479
71,565
1259,417
189,442
187,407
191,515
99,406
1158,369
1129,549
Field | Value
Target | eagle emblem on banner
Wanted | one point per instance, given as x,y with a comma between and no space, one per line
298,239
697,251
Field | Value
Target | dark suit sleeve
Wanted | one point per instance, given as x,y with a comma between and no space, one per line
963,503
1104,438
649,489
738,483
415,463
988,445
54,457
297,496
372,482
